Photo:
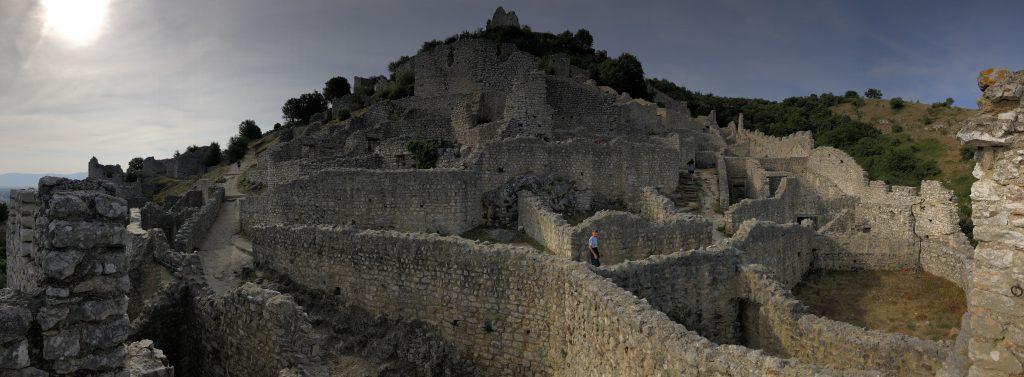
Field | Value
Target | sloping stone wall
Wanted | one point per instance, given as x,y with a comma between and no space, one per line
194,229
517,312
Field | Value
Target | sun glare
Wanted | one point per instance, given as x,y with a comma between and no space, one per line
79,22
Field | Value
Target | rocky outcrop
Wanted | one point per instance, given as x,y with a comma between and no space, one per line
992,343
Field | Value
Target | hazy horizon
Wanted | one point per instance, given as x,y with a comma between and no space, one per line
118,79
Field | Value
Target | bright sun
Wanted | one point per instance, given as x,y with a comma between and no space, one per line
79,22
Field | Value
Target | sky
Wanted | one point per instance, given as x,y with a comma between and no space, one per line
118,79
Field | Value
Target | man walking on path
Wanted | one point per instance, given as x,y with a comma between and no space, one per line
595,256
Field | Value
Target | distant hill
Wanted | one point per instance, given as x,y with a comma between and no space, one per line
23,180
10,181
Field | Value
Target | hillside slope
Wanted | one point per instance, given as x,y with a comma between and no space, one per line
931,131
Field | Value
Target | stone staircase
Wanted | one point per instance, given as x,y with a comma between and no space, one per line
687,196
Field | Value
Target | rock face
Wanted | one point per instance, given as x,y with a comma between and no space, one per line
993,341
502,18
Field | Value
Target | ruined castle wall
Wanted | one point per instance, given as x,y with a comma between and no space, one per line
696,288
194,229
470,65
994,331
580,107
23,272
610,170
850,251
269,173
515,311
76,304
787,250
773,321
527,110
781,208
945,250
250,331
624,236
759,145
435,200
723,182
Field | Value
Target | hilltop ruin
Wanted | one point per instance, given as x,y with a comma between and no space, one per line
330,252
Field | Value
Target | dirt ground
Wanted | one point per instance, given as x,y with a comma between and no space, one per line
909,302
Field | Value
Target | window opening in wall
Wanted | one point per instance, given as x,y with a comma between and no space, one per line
400,159
337,291
371,144
866,229
501,169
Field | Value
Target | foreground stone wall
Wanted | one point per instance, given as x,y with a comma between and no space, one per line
515,311
787,250
774,321
436,200
76,305
251,331
994,334
23,272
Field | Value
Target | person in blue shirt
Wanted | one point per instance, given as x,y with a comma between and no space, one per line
595,256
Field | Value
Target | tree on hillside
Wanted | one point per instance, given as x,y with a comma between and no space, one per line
583,38
873,93
134,167
949,102
336,87
249,130
624,74
237,147
213,155
299,110
851,94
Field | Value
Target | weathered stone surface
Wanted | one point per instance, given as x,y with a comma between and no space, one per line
14,322
61,344
14,356
84,235
61,264
111,207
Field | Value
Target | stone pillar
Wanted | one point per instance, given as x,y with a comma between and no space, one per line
994,325
23,273
80,244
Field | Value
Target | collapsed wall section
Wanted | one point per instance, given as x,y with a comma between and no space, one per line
435,200
516,312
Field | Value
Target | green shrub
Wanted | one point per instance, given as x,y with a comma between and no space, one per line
624,74
135,166
897,128
873,93
897,103
344,114
299,110
249,130
336,87
424,152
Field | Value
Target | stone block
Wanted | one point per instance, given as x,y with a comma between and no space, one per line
111,207
66,206
49,316
14,356
99,310
14,322
61,345
105,284
85,235
106,334
61,264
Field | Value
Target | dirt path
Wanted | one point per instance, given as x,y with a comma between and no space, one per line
224,252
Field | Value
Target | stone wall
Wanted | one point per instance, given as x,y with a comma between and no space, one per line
624,236
945,250
515,311
752,143
611,170
470,65
865,251
696,288
251,331
994,334
435,200
787,250
773,321
194,229
23,272
76,305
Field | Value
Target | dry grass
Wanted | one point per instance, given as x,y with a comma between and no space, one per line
909,302
177,187
519,238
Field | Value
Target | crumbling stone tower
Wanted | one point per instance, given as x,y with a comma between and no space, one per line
993,335
67,314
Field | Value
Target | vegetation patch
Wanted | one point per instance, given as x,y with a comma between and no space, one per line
915,303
